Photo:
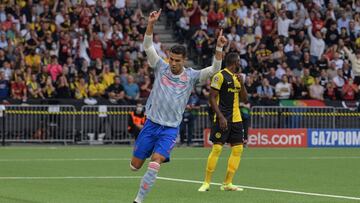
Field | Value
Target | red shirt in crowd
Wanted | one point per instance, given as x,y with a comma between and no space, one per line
18,89
349,91
195,19
267,26
55,70
111,48
214,18
96,49
318,24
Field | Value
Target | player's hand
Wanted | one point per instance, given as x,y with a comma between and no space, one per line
221,41
245,141
223,123
240,78
154,16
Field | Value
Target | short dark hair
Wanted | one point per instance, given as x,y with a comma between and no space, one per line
178,49
231,58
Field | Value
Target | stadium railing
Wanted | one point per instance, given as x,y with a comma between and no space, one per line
101,124
38,123
304,117
108,124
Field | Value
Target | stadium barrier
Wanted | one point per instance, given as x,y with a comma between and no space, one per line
271,126
105,124
54,123
108,124
304,117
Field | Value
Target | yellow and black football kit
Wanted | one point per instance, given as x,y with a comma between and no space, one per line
228,101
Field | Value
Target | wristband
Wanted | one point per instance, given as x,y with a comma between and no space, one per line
219,49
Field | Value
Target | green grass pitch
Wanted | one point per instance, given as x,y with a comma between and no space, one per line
101,175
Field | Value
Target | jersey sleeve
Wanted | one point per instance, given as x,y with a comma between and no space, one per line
217,81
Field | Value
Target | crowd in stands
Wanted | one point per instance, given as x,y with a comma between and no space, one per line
290,49
72,49
93,48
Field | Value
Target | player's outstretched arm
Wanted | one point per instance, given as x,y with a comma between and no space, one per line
216,65
152,56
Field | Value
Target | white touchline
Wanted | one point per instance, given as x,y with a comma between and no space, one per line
181,159
69,177
267,189
181,180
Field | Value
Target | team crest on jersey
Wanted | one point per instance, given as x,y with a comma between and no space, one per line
217,135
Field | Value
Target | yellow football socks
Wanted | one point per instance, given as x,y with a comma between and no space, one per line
212,161
233,163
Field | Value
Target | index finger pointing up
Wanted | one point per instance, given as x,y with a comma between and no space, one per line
221,32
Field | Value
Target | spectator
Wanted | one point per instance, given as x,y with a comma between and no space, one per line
54,69
48,89
115,92
323,78
355,64
18,89
331,92
96,45
34,88
251,88
294,58
316,90
349,90
272,78
124,75
63,88
339,80
299,88
7,70
33,60
81,89
266,93
4,87
307,78
194,13
332,35
145,87
283,24
317,46
283,89
136,120
97,88
132,90
281,70
107,76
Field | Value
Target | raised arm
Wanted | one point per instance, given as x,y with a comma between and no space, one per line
216,65
149,48
348,53
309,30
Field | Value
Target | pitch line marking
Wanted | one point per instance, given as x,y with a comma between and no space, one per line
69,177
267,189
184,181
184,159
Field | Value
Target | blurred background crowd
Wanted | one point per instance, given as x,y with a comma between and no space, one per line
83,49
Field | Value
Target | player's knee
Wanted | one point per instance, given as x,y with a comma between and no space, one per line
156,157
237,150
216,149
136,165
134,168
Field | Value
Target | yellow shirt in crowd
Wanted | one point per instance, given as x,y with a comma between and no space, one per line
96,89
108,78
